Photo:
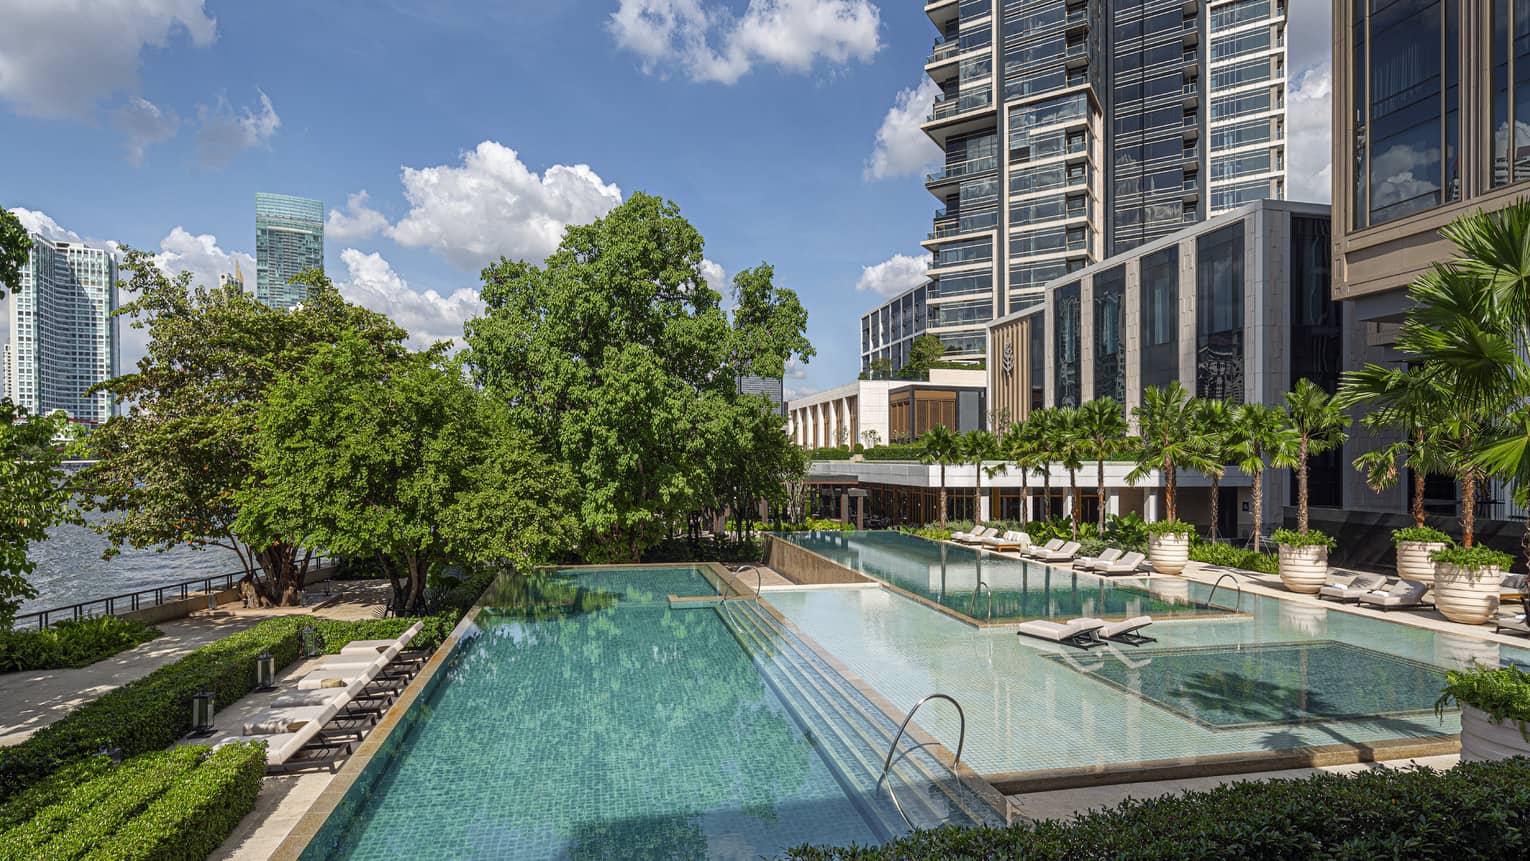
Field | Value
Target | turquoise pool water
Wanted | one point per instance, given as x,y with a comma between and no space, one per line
948,575
589,720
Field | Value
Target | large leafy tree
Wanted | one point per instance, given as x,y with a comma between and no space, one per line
32,498
15,245
1319,426
401,458
941,447
1163,421
617,357
1258,437
1102,423
170,468
923,352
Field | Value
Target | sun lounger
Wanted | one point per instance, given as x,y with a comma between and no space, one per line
1127,564
1512,587
1009,541
1126,630
1360,584
1030,552
1079,633
401,641
1107,556
341,675
1405,593
1064,553
976,535
278,721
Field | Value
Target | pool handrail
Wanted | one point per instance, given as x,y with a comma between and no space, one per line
759,580
972,605
961,741
1238,606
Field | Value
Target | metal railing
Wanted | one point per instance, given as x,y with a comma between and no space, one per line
142,599
961,741
1238,606
759,581
972,605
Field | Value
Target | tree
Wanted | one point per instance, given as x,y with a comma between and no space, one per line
879,369
939,446
15,249
1069,446
1019,448
170,467
1103,425
1319,426
401,458
33,498
977,448
1411,402
923,352
616,357
1163,421
1211,424
1259,436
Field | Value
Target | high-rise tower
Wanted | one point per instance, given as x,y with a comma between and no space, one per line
289,237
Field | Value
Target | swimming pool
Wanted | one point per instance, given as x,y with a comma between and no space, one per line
587,715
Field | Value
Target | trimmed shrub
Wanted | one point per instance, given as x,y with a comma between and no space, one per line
1310,538
1503,694
195,815
703,550
831,452
1475,810
47,792
896,451
1427,534
1229,556
1475,558
70,643
1170,527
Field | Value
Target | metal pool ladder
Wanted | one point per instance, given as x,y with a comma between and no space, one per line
972,605
759,580
961,741
1237,607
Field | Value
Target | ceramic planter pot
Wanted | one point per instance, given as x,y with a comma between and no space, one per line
1169,552
1466,595
1482,740
1413,562
1304,568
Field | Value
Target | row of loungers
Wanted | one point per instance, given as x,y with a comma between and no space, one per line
332,707
1111,561
1088,633
1375,590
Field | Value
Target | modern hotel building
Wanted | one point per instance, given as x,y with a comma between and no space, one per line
63,337
289,238
1077,129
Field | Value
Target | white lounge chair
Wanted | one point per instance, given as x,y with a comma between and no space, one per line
1009,541
1360,584
341,675
401,641
1079,633
1064,553
1126,630
1033,550
277,721
976,536
1128,564
1107,556
1405,593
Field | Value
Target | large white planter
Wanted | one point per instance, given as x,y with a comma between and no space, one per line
1483,740
1466,595
1304,568
1169,552
1413,562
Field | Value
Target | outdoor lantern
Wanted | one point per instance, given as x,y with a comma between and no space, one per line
202,713
312,644
265,672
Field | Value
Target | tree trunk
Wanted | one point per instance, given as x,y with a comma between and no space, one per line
1258,505
416,563
1301,487
1046,478
1168,489
1468,507
1099,481
977,497
399,598
1418,481
1078,501
1025,496
1216,486
942,500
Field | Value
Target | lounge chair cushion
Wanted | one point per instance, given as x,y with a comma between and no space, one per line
1059,631
1114,629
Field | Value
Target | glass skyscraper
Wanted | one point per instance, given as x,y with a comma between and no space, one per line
1078,129
63,338
289,238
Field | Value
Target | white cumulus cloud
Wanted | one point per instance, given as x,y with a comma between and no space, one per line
143,124
492,205
1309,136
901,147
428,316
226,132
356,222
711,43
199,254
59,58
893,275
43,225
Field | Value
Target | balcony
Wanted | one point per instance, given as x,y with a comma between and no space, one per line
1077,19
944,51
962,169
961,104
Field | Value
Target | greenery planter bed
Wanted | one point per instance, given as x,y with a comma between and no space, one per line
1303,560
1169,545
1466,583
1495,711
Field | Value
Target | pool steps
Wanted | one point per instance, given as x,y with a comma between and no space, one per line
853,733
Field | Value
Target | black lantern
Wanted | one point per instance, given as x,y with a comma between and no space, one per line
265,672
202,713
312,645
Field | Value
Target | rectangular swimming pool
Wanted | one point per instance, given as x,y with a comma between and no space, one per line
584,718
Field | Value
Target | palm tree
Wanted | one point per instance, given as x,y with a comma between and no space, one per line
1319,427
1103,424
1069,447
1044,435
1163,422
939,445
1260,436
1016,446
977,447
1406,400
1210,424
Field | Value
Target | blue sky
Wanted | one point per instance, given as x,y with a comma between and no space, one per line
785,129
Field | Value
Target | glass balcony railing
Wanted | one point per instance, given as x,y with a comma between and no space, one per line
1078,49
961,169
962,104
1078,16
944,51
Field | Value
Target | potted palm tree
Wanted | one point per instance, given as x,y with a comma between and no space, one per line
1169,545
939,446
1318,425
1466,582
1495,711
1416,546
1163,421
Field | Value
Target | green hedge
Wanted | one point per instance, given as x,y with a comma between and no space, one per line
896,451
832,452
1475,810
1229,556
154,712
70,643
176,804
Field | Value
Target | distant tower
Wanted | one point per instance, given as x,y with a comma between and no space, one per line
232,279
63,338
289,238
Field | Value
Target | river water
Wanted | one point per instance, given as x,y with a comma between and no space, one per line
70,568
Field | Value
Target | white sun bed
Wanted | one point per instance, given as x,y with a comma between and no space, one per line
1061,554
279,721
341,675
1079,633
401,641
1008,541
975,535
1126,630
1107,556
1127,564
1405,593
1360,584
1033,550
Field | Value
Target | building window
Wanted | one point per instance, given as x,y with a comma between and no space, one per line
1110,334
1160,317
1067,348
1219,314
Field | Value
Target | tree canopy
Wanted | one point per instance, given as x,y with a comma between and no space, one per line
33,498
15,246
